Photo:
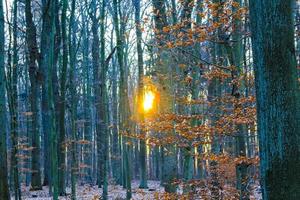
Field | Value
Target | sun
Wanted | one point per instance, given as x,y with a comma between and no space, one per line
148,100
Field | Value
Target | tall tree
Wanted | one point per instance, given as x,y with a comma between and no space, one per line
104,102
73,100
12,78
278,101
45,56
34,76
62,105
186,22
4,190
51,100
87,95
234,53
116,158
123,96
97,88
168,152
138,32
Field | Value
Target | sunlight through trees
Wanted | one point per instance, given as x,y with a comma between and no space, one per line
159,99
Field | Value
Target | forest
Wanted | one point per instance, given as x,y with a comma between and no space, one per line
150,100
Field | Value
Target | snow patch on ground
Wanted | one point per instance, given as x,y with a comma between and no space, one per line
115,192
87,192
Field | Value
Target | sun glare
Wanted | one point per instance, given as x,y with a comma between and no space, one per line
148,101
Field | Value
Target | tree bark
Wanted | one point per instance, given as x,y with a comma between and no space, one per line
277,94
62,103
4,190
138,32
34,76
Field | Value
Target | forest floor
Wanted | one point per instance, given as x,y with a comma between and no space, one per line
87,192
115,192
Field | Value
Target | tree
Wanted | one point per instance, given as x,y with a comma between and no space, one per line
4,189
138,32
34,76
169,167
86,120
234,54
45,56
103,101
277,94
87,95
124,109
12,82
51,101
73,100
186,21
62,105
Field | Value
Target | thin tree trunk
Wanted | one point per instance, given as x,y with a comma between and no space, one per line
62,105
4,190
123,96
45,51
87,100
142,153
34,92
72,87
51,100
103,101
13,102
168,160
116,159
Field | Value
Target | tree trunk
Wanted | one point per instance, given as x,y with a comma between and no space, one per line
13,105
4,190
277,94
142,153
34,92
62,104
45,51
104,104
87,98
116,159
51,101
73,100
168,152
123,97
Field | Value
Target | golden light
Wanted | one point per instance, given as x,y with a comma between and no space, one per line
148,100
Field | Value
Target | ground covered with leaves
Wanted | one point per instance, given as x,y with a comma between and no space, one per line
116,192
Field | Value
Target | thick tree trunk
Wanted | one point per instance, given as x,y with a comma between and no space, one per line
277,93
